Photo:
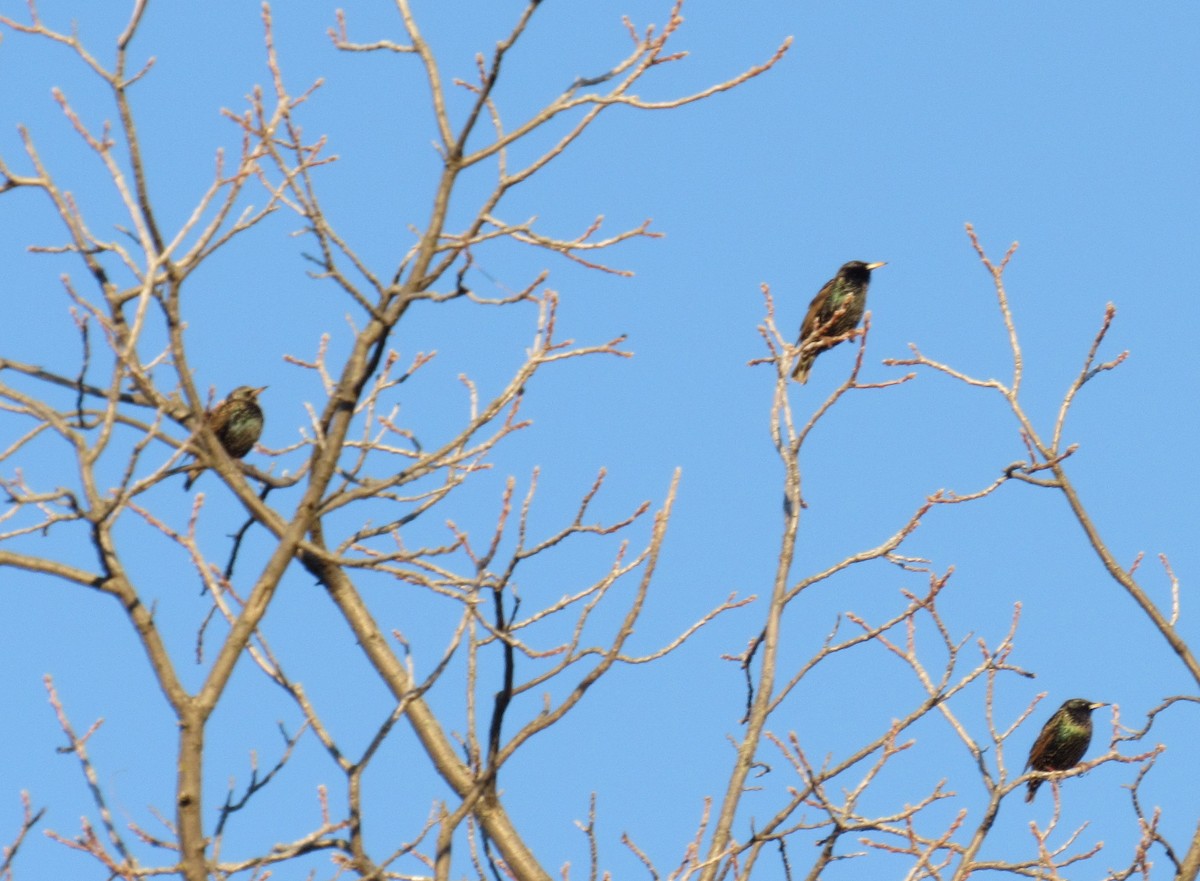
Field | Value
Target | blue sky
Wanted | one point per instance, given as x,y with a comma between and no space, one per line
883,131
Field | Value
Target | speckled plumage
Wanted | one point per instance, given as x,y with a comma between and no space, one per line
237,422
836,309
1063,741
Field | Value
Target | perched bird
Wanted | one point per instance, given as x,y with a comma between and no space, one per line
836,309
237,422
1063,741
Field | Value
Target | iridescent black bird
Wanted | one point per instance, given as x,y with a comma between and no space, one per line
1063,741
836,309
237,422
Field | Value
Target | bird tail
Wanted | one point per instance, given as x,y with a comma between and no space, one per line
192,473
1032,786
800,374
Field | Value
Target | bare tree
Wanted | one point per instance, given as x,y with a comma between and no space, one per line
126,417
145,410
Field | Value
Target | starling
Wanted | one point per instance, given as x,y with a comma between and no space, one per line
237,422
1063,741
836,309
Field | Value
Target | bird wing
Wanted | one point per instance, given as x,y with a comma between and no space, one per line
1042,745
217,417
813,320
